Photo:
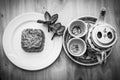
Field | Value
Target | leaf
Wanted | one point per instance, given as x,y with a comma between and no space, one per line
57,26
40,21
47,16
54,18
61,31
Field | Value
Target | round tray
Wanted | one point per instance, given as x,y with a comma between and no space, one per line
90,56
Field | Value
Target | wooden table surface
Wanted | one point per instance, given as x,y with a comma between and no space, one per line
63,68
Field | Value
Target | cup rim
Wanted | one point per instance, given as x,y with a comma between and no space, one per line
77,55
77,36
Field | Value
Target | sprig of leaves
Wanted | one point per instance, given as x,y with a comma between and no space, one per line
58,30
50,21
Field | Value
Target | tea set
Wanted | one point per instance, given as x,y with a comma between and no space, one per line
87,40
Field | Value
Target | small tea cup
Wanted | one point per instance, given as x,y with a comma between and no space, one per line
77,28
76,47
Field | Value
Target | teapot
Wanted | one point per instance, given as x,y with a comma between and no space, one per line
103,36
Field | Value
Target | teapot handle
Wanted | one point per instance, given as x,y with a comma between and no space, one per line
101,16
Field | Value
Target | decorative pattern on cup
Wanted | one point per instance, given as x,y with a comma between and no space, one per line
77,28
76,47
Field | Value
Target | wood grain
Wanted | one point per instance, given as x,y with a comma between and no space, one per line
63,68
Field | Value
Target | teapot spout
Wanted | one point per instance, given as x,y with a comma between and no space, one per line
101,16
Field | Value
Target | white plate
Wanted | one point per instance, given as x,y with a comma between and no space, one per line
12,43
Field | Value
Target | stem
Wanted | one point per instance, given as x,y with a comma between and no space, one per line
53,36
48,28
